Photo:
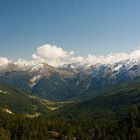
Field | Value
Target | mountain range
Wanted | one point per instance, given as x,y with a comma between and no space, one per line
73,101
69,81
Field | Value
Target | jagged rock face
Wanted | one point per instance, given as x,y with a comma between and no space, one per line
68,81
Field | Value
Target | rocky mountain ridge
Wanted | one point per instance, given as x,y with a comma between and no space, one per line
69,80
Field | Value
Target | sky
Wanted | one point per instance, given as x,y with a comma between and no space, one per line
96,27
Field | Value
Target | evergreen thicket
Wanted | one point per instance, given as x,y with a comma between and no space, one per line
18,127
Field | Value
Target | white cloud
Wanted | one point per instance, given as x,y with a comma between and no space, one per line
52,52
108,59
52,55
56,56
22,63
4,61
135,54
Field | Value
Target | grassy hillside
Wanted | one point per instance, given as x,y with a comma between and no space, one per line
19,102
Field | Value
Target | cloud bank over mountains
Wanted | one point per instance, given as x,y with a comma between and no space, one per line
56,56
52,55
4,61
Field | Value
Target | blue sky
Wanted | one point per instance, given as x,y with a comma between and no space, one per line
84,26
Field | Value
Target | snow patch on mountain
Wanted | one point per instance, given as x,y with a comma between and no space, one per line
34,80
